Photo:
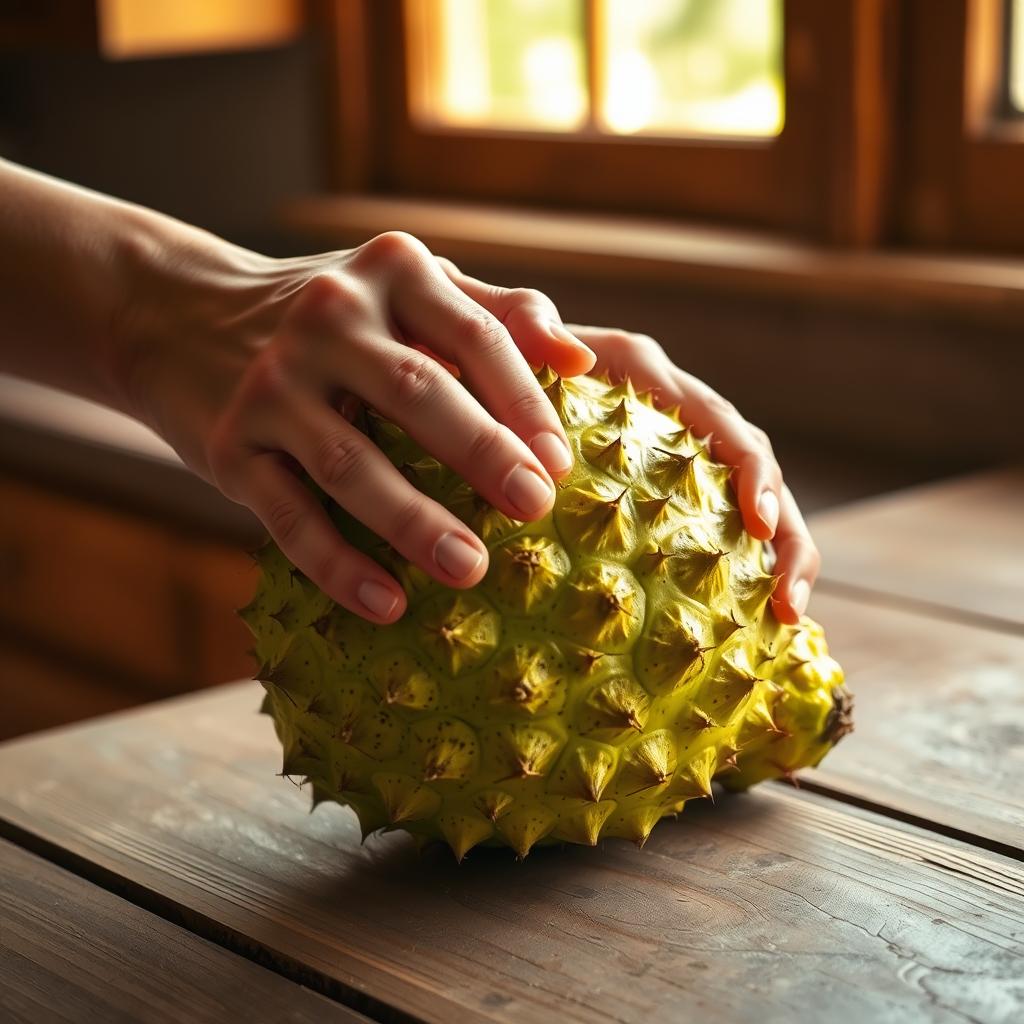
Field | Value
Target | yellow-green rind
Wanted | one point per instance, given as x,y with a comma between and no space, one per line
618,656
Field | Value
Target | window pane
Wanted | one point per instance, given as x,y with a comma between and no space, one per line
1016,68
694,67
502,63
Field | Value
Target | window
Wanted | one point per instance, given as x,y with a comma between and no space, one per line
622,67
848,121
1014,67
964,159
708,109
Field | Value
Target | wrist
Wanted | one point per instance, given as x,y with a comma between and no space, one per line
176,285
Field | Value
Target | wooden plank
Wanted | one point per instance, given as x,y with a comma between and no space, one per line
777,903
939,717
954,545
70,951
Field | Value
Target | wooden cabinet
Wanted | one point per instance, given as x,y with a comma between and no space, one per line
118,605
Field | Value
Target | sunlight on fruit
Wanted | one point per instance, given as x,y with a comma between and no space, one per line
620,654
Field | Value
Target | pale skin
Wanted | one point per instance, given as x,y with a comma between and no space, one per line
250,367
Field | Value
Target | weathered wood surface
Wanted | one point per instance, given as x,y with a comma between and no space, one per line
72,952
774,905
952,545
939,717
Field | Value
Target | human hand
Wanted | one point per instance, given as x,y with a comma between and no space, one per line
766,503
246,366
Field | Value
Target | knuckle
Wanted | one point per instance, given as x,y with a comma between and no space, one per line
328,568
339,460
222,456
414,379
487,334
528,406
283,519
646,341
267,380
812,556
485,445
324,301
393,247
750,458
803,553
621,339
407,516
720,406
631,340
760,436
529,297
761,464
338,294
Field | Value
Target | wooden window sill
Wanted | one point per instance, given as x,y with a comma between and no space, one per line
602,247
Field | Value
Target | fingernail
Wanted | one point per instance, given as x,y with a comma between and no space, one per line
799,596
552,451
377,598
456,556
561,333
768,510
527,490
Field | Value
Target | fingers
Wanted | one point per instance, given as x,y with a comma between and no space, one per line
361,479
622,354
444,418
797,561
301,529
734,441
433,311
531,319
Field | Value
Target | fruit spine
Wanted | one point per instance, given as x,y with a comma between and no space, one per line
619,655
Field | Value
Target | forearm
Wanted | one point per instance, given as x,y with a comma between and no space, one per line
75,267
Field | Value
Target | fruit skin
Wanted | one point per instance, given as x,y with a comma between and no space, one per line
619,655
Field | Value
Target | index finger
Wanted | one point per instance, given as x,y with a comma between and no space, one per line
433,311
532,320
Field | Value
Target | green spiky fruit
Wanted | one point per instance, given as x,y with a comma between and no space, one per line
619,655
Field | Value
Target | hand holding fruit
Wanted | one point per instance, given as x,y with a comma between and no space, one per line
321,332
769,509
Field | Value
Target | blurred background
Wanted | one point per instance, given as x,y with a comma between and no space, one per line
817,207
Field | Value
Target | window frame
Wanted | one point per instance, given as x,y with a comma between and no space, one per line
964,165
825,177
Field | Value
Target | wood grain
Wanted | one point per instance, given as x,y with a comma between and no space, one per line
777,903
953,546
939,717
69,951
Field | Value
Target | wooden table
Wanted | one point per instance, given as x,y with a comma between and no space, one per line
153,868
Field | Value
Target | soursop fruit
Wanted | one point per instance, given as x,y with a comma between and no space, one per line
619,655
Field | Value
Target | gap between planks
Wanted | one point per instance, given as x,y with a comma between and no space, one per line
842,796
881,837
205,927
932,609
